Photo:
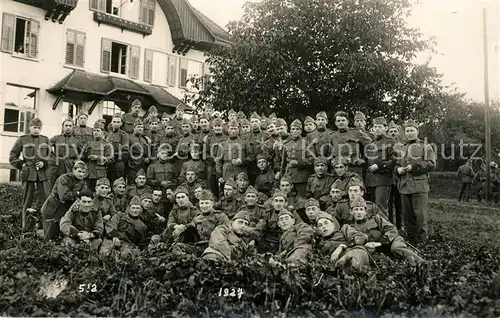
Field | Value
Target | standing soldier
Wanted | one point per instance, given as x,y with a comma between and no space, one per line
98,154
212,144
205,131
139,156
165,118
184,145
272,139
245,129
417,160
81,131
310,127
348,143
380,163
360,121
154,134
151,114
395,213
233,155
65,150
195,125
297,158
35,151
321,138
120,141
277,147
178,118
465,174
130,118
168,141
256,140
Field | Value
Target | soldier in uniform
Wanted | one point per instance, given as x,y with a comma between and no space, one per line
177,121
321,138
265,181
81,131
233,155
140,187
120,141
65,150
151,114
230,202
360,121
138,157
466,175
298,159
161,173
98,154
269,145
33,165
195,125
395,213
296,238
154,134
119,195
256,141
211,145
245,129
205,131
328,203
319,183
130,118
380,163
184,145
417,160
310,127
165,119
168,141
348,143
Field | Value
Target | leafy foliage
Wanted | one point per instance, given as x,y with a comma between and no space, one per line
302,56
456,281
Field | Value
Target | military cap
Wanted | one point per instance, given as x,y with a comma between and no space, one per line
136,102
98,125
280,122
231,112
251,189
194,118
103,181
165,115
279,193
180,106
265,123
296,123
243,215
358,202
233,123
244,122
119,181
255,116
263,117
169,124
154,119
217,122
393,125
312,202
79,164
324,215
410,123
309,119
36,122
355,182
86,193
145,196
204,116
153,109
206,195
231,183
138,122
242,175
140,173
380,121
67,119
82,113
322,160
339,161
321,114
261,156
273,116
102,121
359,115
241,114
338,185
186,121
181,190
286,179
285,212
135,201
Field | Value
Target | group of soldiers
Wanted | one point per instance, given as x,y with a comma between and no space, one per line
475,183
224,188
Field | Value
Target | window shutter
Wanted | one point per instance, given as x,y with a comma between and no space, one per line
80,49
147,12
34,38
135,56
105,55
8,29
98,5
148,65
21,124
172,69
70,47
183,72
93,4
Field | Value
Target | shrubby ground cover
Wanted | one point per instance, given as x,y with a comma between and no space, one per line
458,281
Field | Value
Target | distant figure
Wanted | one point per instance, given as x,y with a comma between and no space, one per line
465,174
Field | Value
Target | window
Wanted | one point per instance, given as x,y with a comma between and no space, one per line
20,35
109,108
148,65
160,68
172,69
206,75
19,108
75,48
114,57
107,6
70,109
183,73
147,12
135,59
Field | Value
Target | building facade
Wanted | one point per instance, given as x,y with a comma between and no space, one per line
62,56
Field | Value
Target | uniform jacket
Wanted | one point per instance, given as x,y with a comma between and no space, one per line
197,165
347,235
229,149
184,215
103,150
378,229
206,223
322,142
104,205
120,203
138,150
64,193
465,174
229,206
75,221
83,134
265,182
296,150
133,190
212,145
63,148
32,149
128,122
380,152
120,141
225,243
343,211
318,186
126,228
326,202
422,159
301,235
159,172
354,140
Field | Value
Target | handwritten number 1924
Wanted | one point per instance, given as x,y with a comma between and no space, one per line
231,292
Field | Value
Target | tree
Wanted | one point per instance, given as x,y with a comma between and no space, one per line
297,57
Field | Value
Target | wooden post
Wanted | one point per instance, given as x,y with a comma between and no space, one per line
487,139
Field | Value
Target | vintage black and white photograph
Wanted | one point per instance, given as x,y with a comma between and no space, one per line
250,158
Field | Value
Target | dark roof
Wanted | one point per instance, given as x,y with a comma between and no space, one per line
219,32
101,86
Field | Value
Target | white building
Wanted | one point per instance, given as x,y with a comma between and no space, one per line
60,56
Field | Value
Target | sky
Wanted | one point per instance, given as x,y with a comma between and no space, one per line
456,26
